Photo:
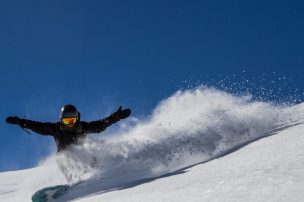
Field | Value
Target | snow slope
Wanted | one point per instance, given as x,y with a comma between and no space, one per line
271,169
147,161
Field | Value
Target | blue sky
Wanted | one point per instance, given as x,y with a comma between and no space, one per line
102,54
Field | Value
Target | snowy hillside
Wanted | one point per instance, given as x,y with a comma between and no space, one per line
247,150
271,169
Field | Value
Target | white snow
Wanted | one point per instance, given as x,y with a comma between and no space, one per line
271,169
188,128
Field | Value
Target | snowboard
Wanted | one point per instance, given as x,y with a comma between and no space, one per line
50,193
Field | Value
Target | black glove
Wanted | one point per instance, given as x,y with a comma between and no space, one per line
122,113
13,120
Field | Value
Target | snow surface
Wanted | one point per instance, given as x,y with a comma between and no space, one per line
194,147
271,169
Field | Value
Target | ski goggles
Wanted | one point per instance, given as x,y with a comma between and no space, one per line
68,121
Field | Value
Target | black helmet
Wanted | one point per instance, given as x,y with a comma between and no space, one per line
69,111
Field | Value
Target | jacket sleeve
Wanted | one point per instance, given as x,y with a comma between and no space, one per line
100,125
42,128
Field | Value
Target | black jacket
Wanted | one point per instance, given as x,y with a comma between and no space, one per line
65,136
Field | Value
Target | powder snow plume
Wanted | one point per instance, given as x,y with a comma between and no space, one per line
190,127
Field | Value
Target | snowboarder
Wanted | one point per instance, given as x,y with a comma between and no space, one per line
69,130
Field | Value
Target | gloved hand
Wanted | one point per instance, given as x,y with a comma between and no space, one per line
13,120
122,113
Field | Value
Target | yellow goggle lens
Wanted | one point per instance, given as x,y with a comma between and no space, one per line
68,121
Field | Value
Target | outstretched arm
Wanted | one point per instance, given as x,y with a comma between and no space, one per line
38,127
100,125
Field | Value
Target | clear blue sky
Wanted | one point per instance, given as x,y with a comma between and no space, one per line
102,54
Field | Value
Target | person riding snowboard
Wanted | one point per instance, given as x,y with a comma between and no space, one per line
69,130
